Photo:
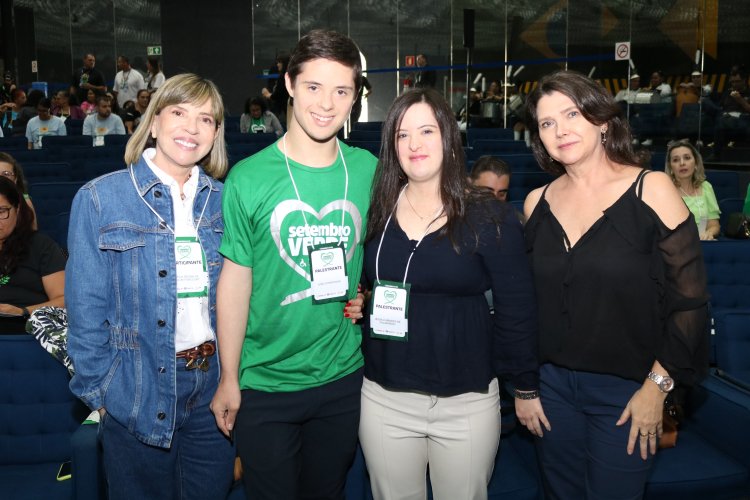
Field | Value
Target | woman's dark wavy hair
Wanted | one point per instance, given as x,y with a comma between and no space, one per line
16,245
20,178
596,105
455,189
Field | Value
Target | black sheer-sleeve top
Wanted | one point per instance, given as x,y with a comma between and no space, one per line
629,292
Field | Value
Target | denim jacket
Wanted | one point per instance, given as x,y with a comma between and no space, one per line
120,293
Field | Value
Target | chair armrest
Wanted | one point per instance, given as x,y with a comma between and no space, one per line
88,471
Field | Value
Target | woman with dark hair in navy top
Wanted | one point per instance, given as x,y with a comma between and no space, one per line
432,349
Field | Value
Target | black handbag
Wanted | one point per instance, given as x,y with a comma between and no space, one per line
738,226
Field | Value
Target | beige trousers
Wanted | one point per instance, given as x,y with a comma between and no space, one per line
403,432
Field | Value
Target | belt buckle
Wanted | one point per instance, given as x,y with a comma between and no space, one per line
197,362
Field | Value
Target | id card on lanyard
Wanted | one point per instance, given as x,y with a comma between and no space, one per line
192,278
328,278
389,319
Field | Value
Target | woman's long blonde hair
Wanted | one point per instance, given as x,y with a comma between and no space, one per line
180,89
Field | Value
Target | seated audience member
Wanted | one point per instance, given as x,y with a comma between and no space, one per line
628,95
661,90
64,108
734,120
133,110
257,119
492,173
11,169
43,124
475,108
89,105
685,166
103,122
32,266
27,112
11,109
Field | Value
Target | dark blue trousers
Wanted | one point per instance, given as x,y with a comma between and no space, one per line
584,457
200,462
299,445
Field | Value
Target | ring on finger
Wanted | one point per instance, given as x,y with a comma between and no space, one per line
643,435
652,434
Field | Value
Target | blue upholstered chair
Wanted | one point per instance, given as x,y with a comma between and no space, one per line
38,415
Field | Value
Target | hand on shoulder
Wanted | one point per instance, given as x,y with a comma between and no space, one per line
660,193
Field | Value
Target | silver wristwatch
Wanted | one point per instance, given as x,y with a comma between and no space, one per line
664,383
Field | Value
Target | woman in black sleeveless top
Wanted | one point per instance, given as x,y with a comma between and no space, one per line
621,290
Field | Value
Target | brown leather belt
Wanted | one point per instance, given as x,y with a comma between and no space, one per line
197,357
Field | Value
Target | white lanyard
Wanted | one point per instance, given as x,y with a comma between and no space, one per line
438,213
200,218
346,186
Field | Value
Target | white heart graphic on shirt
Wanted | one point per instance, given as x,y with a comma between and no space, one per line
287,207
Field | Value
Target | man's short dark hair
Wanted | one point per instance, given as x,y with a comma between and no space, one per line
45,103
326,44
103,97
489,164
125,59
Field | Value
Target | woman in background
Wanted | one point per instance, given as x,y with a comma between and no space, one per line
685,167
32,266
154,77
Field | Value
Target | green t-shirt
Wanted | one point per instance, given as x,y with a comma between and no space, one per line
291,344
703,206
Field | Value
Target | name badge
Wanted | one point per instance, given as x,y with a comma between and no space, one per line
329,281
99,139
389,318
192,278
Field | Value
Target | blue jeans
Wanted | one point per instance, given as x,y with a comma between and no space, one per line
585,456
199,463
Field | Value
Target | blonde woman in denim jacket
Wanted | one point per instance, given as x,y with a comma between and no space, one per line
142,272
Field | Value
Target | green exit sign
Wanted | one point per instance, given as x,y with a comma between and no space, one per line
153,51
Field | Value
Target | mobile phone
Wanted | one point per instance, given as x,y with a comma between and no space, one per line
65,471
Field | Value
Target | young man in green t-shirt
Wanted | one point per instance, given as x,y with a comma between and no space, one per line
294,220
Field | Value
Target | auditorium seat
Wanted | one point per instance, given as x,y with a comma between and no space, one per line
13,143
726,183
47,172
732,343
57,142
50,200
492,134
38,415
483,147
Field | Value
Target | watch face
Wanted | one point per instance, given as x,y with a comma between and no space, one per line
666,384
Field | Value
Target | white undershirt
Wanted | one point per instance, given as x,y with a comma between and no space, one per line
193,322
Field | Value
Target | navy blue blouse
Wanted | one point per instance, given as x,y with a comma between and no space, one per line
455,345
